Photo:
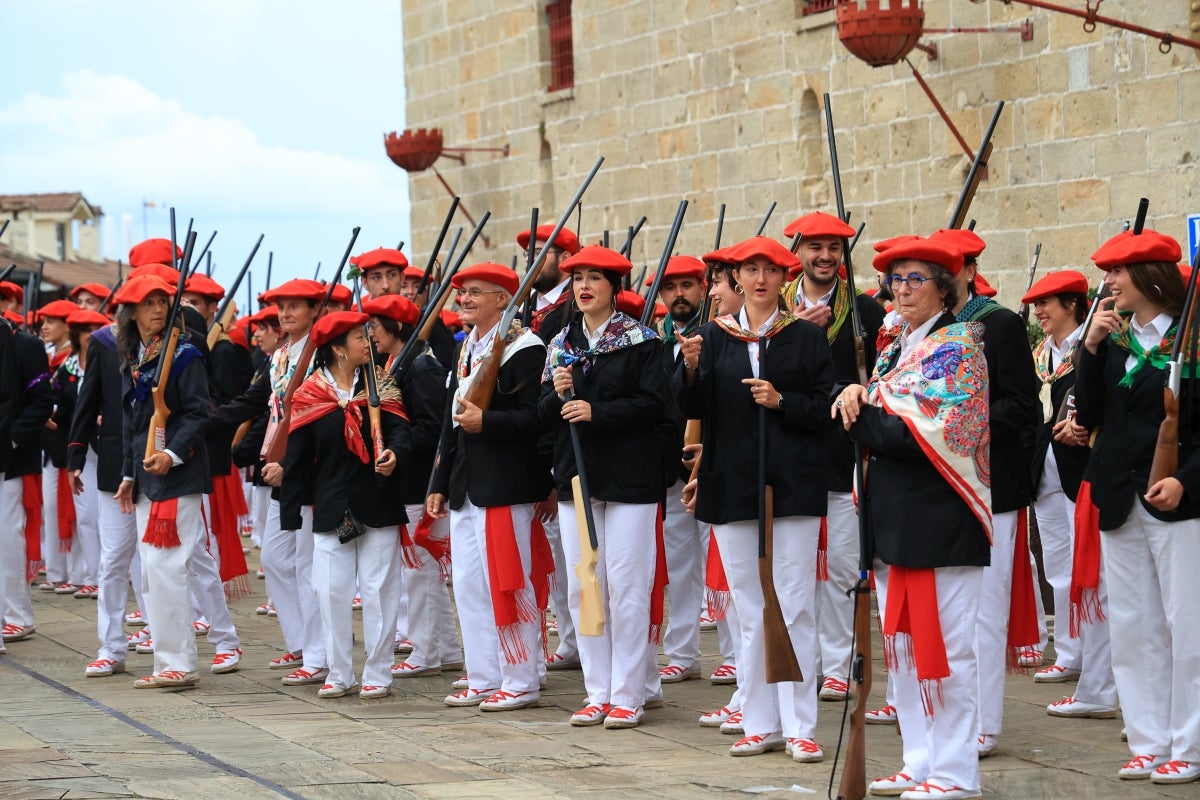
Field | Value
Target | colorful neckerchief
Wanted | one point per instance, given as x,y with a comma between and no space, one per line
1041,362
622,331
840,303
1157,356
316,397
667,330
144,373
468,365
733,327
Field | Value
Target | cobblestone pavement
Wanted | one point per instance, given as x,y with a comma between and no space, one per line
243,735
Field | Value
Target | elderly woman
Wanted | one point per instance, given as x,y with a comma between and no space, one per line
604,375
764,361
1150,530
921,419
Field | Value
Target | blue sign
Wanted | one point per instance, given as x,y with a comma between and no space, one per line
1193,222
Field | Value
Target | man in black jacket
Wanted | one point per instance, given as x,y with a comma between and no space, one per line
8,409
487,476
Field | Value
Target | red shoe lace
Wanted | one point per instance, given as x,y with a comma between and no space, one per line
1172,767
1139,762
807,745
593,710
622,713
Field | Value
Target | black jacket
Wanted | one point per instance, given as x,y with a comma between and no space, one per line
341,480
189,404
630,395
915,516
23,445
97,421
501,465
1128,420
9,392
1071,461
797,363
64,389
423,387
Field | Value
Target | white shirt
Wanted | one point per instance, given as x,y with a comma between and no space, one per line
478,344
344,395
1057,351
551,297
802,301
752,347
912,339
593,337
1149,335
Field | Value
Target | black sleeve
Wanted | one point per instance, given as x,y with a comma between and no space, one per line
231,371
87,409
193,413
647,402
443,463
1089,385
36,402
885,433
9,388
872,315
523,421
1012,378
300,452
247,405
425,398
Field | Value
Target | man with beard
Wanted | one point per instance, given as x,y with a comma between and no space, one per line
822,297
385,271
685,539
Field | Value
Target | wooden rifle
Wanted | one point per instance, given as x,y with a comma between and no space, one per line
278,446
156,437
959,215
426,278
483,385
853,785
656,284
591,601
227,311
1037,253
374,416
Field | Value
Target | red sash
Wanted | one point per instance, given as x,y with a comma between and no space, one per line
65,512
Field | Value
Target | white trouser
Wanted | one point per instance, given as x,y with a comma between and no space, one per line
87,521
431,614
1056,526
165,572
788,707
287,563
615,664
1096,682
119,566
486,664
941,747
260,502
685,541
1151,568
991,634
373,561
17,608
568,645
401,632
209,592
62,565
835,608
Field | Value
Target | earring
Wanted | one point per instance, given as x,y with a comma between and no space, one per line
738,288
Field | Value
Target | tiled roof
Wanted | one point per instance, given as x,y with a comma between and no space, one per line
54,201
65,273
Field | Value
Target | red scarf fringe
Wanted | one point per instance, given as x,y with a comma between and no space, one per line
658,591
408,550
65,512
912,611
1022,608
162,529
823,551
511,605
228,503
1085,566
31,501
541,572
716,585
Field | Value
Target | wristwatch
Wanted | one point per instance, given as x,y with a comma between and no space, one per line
779,405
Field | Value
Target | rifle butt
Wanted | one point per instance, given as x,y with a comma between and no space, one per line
853,784
156,436
376,421
591,604
241,432
1166,448
781,663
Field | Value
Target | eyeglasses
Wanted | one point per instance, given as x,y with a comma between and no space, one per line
475,292
914,281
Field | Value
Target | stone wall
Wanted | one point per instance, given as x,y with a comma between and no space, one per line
720,102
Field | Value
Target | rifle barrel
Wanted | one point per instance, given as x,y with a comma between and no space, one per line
651,299
964,197
437,247
762,226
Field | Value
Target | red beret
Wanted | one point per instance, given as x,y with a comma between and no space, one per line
153,251
302,288
341,294
566,239
13,317
1129,248
450,319
660,310
490,272
942,253
33,318
201,284
59,309
413,273
1061,282
1185,272
982,287
169,275
818,223
965,240
12,291
237,335
720,256
631,303
596,256
331,326
98,289
892,242
682,267
81,316
380,257
762,247
135,290
265,314
393,306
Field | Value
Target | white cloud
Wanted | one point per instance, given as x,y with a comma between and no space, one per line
110,134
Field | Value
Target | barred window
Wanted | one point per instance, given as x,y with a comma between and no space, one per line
562,52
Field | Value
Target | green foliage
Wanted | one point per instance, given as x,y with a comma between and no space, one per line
1034,332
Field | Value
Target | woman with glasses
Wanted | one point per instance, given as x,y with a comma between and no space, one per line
921,418
764,361
604,376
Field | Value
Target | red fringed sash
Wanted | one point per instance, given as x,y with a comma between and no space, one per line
658,593
1085,566
65,512
316,397
423,538
912,611
162,529
511,605
823,551
228,503
1022,607
716,585
31,501
541,571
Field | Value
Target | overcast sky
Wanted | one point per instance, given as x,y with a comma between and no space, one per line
250,116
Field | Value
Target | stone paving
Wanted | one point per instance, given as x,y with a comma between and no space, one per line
243,735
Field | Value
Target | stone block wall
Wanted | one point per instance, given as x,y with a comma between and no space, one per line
720,102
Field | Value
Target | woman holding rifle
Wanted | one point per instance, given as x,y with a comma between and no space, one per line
604,374
920,419
355,511
764,358
1150,530
166,487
